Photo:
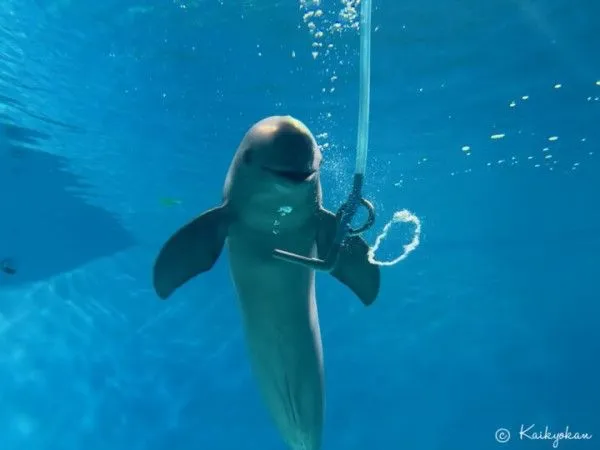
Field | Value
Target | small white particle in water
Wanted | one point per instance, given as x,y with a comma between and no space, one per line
545,149
420,89
537,165
489,164
589,99
583,139
293,54
553,138
576,164
598,83
513,104
500,161
315,54
333,78
497,136
285,210
525,97
557,86
548,156
590,153
466,148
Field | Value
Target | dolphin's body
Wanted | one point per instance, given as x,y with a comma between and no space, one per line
272,199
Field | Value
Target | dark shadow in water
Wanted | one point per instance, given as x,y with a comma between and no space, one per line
46,228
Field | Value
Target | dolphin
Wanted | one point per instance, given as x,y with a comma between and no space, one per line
272,199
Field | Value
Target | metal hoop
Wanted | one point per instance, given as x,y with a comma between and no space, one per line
370,219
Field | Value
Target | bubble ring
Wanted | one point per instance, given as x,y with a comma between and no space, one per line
404,216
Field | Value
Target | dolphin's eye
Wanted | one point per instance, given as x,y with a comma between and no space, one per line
248,157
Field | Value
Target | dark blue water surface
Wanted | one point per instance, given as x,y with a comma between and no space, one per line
118,120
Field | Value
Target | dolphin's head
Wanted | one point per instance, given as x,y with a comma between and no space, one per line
283,147
278,156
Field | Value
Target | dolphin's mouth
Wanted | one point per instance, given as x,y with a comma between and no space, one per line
295,176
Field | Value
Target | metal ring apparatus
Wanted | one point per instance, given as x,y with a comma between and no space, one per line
348,210
370,219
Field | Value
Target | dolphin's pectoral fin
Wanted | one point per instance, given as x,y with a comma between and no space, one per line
353,267
192,250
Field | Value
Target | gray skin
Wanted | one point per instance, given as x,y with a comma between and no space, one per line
272,199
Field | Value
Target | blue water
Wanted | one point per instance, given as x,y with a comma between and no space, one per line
118,120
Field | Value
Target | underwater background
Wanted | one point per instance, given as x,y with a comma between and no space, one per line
118,120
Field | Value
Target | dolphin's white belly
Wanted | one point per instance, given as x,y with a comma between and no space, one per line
282,333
